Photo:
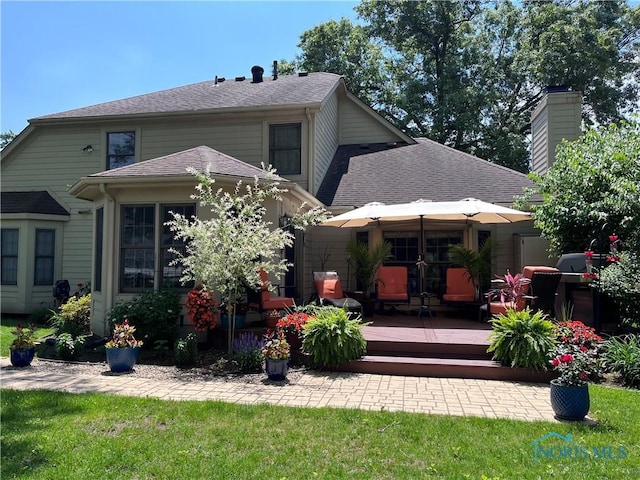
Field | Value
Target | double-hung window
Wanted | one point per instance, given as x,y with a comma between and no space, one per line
121,149
171,273
9,247
285,148
45,256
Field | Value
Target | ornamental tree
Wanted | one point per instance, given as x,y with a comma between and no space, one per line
226,252
591,191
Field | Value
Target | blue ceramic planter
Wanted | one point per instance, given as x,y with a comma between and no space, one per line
22,357
569,402
276,369
122,359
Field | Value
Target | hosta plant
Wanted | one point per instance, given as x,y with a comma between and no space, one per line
621,356
522,338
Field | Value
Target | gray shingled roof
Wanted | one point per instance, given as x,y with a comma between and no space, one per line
425,170
289,90
31,202
176,164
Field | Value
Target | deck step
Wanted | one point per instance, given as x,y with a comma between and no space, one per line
428,350
443,367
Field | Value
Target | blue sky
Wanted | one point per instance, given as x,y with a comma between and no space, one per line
62,55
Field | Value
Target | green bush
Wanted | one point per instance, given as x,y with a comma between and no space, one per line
522,339
186,351
621,282
41,316
74,317
154,314
332,338
621,356
67,347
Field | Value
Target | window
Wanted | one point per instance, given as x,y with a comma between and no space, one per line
97,281
138,253
171,273
404,252
45,256
285,148
137,248
121,149
9,247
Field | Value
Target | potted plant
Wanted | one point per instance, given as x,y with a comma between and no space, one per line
511,289
271,318
276,352
202,308
365,262
292,324
23,347
122,350
576,360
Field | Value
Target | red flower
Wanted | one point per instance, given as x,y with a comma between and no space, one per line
566,358
588,254
202,308
613,238
555,362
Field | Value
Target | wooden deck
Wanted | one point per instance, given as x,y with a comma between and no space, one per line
438,346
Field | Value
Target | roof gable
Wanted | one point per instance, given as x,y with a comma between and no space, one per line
31,202
288,90
426,170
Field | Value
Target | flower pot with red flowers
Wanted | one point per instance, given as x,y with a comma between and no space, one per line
23,347
292,324
576,360
123,348
276,352
271,319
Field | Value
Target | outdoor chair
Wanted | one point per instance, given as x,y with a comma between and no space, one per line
392,286
460,288
539,294
329,291
263,301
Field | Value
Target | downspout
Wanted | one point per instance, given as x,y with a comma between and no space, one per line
311,140
108,247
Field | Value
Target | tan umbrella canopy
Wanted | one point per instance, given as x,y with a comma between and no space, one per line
469,210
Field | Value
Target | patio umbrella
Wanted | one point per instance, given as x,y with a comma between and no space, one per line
469,210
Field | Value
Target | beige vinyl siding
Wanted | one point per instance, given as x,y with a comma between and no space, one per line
53,160
243,141
357,126
326,139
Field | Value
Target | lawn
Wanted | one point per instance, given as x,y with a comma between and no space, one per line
53,435
6,337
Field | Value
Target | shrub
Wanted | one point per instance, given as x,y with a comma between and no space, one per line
41,316
248,352
154,314
67,347
332,338
74,317
621,282
621,356
522,339
186,351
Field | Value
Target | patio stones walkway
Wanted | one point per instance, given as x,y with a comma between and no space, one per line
446,396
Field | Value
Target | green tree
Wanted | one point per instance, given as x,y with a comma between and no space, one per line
5,138
468,74
227,251
592,189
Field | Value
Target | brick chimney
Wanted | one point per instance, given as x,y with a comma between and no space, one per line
557,116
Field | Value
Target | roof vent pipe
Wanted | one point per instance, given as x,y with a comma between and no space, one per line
257,72
275,69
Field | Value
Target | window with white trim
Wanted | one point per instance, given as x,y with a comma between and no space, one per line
137,248
9,246
45,256
170,275
285,148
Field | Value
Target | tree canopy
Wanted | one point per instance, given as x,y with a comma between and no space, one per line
469,73
592,190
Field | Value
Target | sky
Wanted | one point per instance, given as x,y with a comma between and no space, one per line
56,56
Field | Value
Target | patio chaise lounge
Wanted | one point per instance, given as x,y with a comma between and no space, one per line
329,291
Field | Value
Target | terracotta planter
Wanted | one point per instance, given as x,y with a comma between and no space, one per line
569,402
22,357
122,359
294,341
271,321
276,369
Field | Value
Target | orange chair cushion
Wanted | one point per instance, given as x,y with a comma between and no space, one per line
329,288
459,286
277,303
393,283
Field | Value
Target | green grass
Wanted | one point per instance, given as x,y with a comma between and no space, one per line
6,337
53,435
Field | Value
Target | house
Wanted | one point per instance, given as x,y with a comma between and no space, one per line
85,192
